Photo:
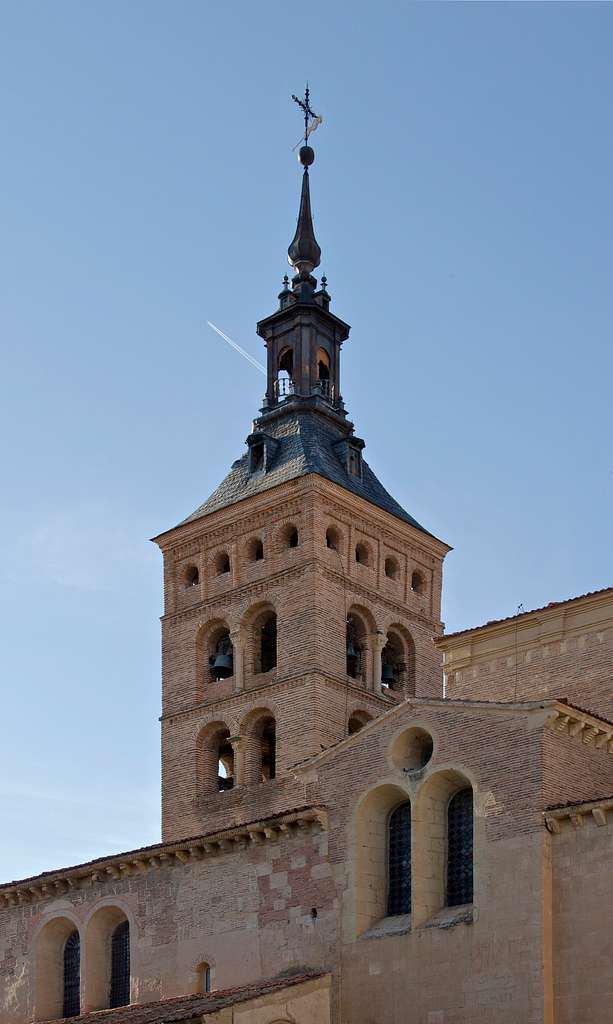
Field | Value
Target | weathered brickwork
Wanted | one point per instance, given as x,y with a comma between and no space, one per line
313,589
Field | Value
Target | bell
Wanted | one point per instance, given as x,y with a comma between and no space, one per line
387,674
222,666
351,651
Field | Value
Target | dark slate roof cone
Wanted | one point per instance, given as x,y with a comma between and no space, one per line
304,253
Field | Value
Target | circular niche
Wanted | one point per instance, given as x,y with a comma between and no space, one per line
412,750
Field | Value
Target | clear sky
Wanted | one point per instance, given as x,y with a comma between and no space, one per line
462,197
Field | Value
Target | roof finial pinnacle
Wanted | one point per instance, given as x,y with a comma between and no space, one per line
304,253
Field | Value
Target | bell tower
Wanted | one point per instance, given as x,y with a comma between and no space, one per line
300,599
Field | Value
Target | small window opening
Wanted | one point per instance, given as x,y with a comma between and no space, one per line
268,644
192,576
391,568
269,750
72,976
225,763
255,549
355,462
203,972
120,965
354,648
399,861
256,457
221,662
222,563
292,537
333,539
417,583
362,554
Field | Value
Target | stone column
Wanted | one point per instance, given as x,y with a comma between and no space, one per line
238,657
377,642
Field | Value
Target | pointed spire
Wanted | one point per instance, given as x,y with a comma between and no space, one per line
304,253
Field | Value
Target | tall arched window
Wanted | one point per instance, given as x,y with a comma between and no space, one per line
269,749
460,848
120,965
399,861
72,975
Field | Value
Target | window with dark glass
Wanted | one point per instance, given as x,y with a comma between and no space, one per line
460,849
72,976
399,861
120,965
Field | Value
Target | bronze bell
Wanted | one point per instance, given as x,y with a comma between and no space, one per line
222,664
351,651
387,674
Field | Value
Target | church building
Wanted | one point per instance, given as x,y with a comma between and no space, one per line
364,820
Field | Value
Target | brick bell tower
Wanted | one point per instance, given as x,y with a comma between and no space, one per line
300,600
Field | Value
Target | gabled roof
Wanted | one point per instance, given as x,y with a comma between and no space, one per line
192,1007
440,640
305,444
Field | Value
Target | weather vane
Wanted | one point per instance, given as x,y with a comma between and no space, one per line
305,106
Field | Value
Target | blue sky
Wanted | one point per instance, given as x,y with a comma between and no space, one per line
463,205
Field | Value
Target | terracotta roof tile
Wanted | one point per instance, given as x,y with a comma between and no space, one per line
192,1007
522,615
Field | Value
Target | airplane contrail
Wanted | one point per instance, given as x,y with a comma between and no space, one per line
241,351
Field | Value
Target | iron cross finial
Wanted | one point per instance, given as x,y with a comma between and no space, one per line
306,109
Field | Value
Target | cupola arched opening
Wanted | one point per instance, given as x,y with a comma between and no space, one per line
284,382
265,641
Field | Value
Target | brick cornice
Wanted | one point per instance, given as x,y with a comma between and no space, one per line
237,698
52,884
378,596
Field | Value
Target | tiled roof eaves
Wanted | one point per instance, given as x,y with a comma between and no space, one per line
440,640
154,848
195,1006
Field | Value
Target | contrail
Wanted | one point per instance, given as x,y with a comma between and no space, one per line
241,351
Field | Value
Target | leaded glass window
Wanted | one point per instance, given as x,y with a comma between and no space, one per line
399,861
460,849
72,976
120,965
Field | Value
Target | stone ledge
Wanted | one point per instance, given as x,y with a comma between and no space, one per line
398,925
594,812
52,884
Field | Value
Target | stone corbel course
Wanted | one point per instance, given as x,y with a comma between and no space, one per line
596,812
58,883
586,728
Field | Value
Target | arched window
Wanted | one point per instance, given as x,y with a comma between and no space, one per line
460,848
399,861
120,965
290,536
354,647
333,538
362,554
417,583
266,643
255,549
284,383
204,975
191,576
391,568
225,762
393,666
72,975
221,658
222,563
269,749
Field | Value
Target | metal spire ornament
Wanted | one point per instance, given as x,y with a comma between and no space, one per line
304,253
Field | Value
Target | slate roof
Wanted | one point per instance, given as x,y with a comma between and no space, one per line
193,1007
305,445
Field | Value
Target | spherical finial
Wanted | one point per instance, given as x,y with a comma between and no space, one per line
306,156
